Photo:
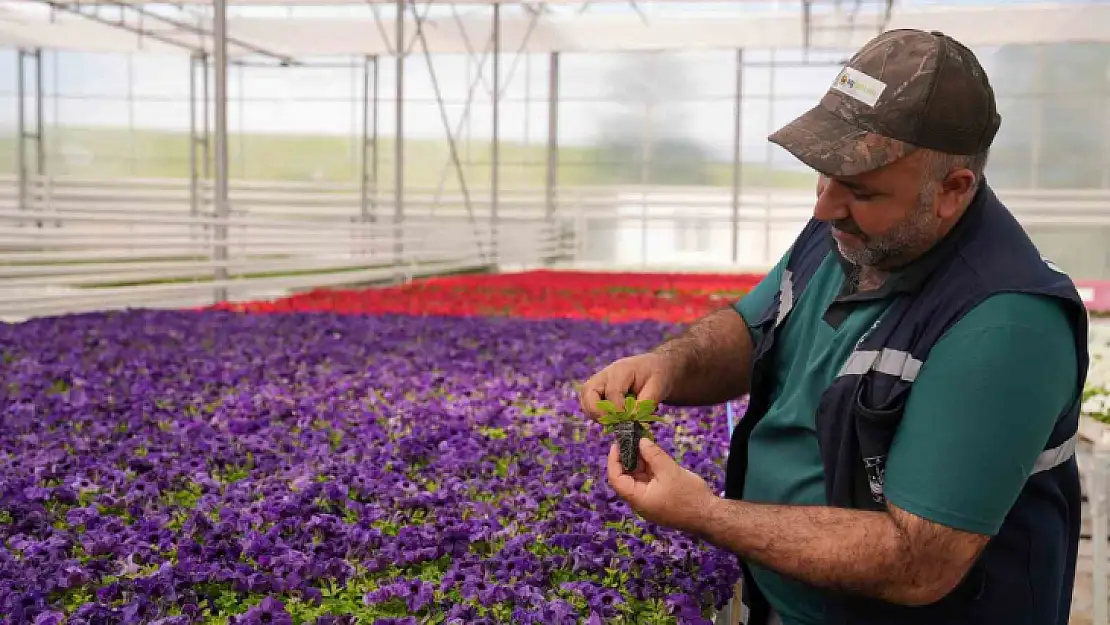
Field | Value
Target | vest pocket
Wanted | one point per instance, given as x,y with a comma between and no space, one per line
875,427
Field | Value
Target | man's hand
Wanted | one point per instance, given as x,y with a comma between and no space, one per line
659,489
708,364
648,376
892,555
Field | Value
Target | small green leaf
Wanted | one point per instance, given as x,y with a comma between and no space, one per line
610,419
607,406
649,418
630,405
646,407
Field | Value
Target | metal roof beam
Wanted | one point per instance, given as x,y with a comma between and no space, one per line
284,58
206,36
75,9
332,37
319,3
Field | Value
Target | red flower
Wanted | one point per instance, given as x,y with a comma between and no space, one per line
534,294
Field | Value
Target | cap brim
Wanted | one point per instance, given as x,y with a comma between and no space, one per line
834,147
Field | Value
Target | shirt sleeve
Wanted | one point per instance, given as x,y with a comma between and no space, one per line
981,411
754,302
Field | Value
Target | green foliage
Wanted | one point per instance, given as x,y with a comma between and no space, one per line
1096,403
637,411
59,387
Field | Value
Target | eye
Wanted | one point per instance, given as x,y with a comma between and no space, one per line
863,196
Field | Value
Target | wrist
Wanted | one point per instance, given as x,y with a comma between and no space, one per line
673,357
706,518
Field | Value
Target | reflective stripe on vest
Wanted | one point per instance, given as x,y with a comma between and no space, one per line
786,296
1052,458
889,361
901,364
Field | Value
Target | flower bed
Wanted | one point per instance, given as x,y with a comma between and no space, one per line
615,297
191,467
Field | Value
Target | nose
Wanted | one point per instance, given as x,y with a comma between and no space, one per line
831,203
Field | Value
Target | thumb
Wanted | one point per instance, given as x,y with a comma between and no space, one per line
655,459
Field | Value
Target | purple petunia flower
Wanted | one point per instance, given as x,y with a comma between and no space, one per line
271,610
158,466
49,617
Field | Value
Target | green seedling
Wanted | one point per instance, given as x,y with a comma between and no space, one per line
630,423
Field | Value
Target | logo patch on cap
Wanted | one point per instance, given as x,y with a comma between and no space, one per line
854,83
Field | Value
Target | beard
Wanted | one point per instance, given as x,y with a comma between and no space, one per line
897,244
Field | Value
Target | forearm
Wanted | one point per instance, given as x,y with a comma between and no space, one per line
712,359
883,555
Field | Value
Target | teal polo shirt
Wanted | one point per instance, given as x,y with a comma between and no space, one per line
971,431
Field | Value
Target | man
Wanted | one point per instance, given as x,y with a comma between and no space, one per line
914,370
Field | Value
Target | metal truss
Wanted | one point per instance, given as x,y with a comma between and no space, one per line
202,30
844,20
178,33
491,52
30,129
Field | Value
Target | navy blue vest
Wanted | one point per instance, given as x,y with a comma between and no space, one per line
1026,572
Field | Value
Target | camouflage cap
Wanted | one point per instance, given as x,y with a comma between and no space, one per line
904,90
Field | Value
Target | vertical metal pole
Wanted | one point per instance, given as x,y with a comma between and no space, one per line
736,147
374,144
495,152
552,133
465,132
192,138
527,97
242,151
356,116
21,130
807,22
205,140
56,116
768,257
131,114
207,151
40,123
399,137
363,177
552,146
646,139
194,183
221,196
1038,120
28,196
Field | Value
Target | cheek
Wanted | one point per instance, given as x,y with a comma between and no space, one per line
875,219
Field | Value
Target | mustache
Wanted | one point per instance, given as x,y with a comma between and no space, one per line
847,226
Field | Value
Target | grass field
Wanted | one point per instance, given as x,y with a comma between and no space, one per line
119,152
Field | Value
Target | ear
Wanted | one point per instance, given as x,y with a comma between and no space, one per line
822,183
954,189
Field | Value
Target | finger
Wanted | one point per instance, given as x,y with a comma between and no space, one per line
590,393
654,458
588,398
621,482
652,389
618,385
